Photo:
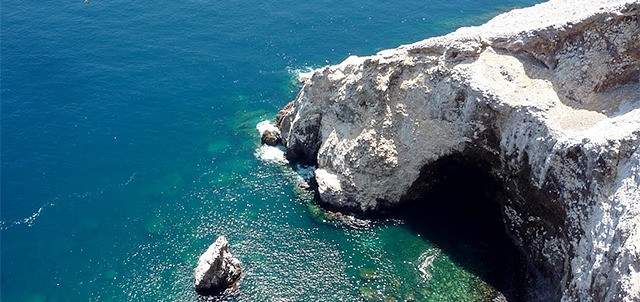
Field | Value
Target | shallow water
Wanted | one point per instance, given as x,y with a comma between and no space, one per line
129,143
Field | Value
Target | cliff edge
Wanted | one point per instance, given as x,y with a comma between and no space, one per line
546,98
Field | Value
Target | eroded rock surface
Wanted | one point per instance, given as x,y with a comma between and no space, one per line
217,269
547,97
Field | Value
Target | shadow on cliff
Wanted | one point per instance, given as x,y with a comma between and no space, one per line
455,205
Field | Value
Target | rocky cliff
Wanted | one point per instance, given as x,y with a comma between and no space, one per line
546,99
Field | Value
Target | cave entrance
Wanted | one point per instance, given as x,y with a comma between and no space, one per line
456,205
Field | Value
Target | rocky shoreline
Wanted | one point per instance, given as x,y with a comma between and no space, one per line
545,99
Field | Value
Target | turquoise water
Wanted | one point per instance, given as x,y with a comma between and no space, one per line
128,144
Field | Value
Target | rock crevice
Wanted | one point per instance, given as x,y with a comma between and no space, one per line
547,98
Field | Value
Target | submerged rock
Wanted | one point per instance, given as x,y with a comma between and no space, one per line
217,269
367,274
546,98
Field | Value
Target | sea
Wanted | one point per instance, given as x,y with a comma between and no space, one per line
129,144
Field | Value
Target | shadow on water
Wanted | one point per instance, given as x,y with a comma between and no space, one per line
460,213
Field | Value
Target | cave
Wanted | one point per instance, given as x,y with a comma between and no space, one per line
457,204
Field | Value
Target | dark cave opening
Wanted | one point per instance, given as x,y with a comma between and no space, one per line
456,204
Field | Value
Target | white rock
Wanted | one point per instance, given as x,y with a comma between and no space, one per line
549,96
217,269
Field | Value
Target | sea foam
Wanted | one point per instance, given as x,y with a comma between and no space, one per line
277,154
270,154
426,263
301,74
28,221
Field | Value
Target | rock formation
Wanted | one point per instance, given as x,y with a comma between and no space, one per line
269,134
546,98
217,269
271,138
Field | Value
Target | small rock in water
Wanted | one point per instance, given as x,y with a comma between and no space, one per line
269,134
271,137
217,269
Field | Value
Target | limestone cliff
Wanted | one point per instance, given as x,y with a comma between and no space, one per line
547,98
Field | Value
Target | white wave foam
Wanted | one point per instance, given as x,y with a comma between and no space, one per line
28,221
272,154
31,219
266,125
301,74
131,178
426,263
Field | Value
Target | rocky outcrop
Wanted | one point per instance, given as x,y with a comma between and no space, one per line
217,269
269,134
546,98
271,137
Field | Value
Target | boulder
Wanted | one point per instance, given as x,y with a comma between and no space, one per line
269,134
217,269
271,137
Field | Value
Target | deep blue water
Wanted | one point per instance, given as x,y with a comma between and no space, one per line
128,144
